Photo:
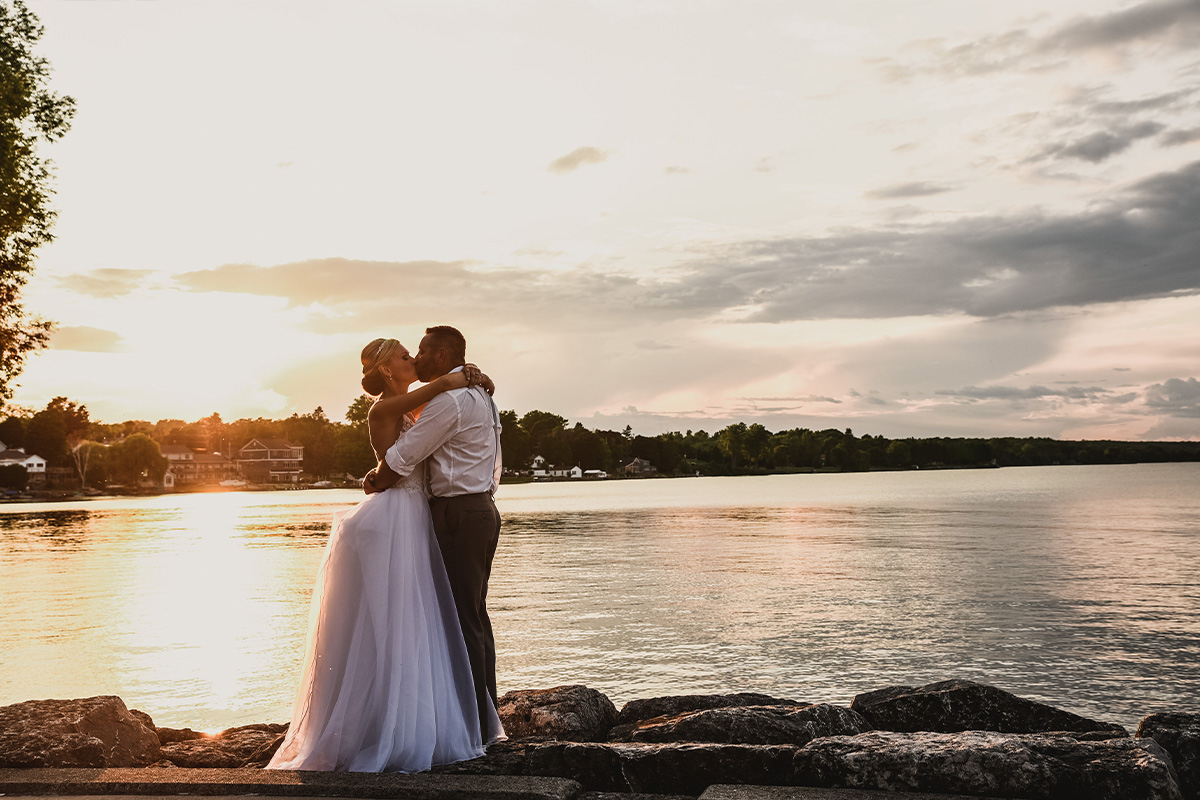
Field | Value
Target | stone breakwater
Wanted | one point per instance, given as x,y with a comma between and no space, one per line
953,737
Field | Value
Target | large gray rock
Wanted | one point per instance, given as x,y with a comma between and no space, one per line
691,768
597,767
661,768
1179,735
1049,766
502,758
796,725
669,706
950,706
169,735
85,732
574,713
247,745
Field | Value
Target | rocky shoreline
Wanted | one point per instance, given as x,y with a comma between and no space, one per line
953,737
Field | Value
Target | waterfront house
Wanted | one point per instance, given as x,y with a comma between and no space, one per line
180,465
35,465
271,461
190,467
639,467
541,470
213,468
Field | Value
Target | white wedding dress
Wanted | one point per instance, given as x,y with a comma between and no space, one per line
386,685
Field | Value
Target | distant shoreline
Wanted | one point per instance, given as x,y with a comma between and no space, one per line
64,496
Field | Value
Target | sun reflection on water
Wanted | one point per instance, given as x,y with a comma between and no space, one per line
1075,586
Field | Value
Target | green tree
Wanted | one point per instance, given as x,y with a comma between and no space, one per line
356,414
588,449
30,114
75,425
352,450
46,436
756,444
732,442
315,432
13,476
899,453
545,436
12,432
136,459
515,444
541,423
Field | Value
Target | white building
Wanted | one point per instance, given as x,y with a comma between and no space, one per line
33,463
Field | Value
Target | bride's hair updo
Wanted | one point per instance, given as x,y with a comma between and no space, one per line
375,353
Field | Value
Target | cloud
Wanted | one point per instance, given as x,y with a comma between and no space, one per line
1103,145
807,398
1093,103
915,189
1173,23
1176,22
577,158
104,283
1027,393
87,340
1178,137
1179,398
1141,243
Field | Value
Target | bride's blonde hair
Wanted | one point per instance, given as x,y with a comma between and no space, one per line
375,353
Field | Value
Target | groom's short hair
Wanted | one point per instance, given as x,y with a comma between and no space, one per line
451,339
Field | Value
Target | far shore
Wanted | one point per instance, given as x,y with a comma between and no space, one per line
68,495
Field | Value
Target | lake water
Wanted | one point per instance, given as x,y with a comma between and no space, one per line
1077,586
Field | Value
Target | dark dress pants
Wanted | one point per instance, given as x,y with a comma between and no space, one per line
468,529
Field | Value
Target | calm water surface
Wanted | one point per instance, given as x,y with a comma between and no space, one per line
1077,586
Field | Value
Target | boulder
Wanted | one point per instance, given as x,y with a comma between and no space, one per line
660,768
951,706
796,725
169,735
691,768
1179,735
669,706
236,747
501,758
86,732
1050,766
597,767
145,718
574,713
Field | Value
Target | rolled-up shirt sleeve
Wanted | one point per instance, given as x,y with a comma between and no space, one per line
435,426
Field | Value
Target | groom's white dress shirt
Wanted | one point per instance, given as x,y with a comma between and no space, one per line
459,432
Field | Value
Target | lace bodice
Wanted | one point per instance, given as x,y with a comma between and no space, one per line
415,481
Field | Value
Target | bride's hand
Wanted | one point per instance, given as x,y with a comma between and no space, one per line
475,377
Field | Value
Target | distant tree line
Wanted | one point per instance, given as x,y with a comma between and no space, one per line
128,452
750,449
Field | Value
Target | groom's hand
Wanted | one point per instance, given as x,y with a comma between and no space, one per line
380,478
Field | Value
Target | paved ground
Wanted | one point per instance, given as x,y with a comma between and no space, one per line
285,783
169,784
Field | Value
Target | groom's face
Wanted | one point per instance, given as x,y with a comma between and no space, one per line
430,360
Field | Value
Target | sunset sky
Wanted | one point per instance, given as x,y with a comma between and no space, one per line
928,217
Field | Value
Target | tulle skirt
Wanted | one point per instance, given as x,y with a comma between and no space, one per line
386,684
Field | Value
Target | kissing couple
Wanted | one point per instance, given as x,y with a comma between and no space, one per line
400,667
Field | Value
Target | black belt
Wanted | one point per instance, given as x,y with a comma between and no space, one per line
457,496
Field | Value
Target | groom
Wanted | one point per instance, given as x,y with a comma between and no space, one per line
459,433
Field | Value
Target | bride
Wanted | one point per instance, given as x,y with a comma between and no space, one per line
386,684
